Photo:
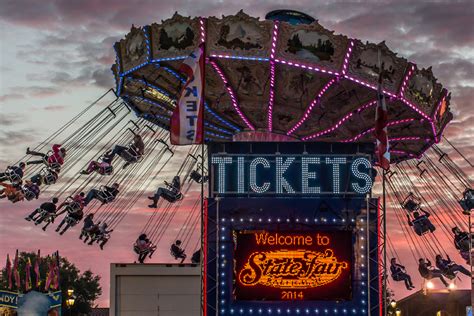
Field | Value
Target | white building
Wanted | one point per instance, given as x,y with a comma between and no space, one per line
155,289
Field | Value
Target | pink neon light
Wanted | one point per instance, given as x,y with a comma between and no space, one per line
203,31
331,129
369,85
347,57
310,107
372,129
366,106
235,104
411,105
272,77
299,65
405,80
433,129
404,138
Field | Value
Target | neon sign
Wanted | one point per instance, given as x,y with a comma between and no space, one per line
277,266
280,175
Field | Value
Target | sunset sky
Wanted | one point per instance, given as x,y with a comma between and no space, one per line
55,59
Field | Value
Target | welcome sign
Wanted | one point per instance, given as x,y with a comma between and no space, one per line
288,265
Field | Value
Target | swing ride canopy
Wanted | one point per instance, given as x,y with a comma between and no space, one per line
274,80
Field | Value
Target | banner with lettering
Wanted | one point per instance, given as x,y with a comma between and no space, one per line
13,299
186,121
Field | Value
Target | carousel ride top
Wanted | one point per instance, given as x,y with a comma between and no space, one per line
286,78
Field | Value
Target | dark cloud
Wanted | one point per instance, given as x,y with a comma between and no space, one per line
17,138
103,78
10,119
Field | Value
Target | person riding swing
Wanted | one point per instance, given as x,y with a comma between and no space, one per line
74,208
177,252
421,223
400,274
53,159
102,166
46,212
449,268
14,174
171,193
131,153
143,247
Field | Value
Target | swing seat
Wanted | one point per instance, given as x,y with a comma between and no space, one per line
12,176
71,221
45,216
48,177
106,171
421,230
130,155
173,198
29,195
73,207
105,197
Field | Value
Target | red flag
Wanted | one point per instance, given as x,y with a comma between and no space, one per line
16,273
381,117
49,276
28,275
56,272
187,118
9,272
37,270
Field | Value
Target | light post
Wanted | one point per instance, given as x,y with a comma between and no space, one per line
71,299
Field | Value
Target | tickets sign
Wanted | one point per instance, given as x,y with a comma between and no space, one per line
275,266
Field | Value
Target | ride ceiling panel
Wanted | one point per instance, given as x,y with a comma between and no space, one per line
342,97
295,90
250,81
306,57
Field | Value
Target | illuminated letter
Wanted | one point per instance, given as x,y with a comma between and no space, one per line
253,175
306,175
361,175
221,161
335,162
240,175
281,167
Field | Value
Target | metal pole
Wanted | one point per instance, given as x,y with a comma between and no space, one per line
384,214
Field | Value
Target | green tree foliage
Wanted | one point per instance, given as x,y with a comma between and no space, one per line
85,285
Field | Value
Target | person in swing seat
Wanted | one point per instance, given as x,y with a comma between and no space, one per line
428,272
102,166
171,193
105,195
46,211
55,159
449,267
400,274
131,153
14,174
421,223
177,252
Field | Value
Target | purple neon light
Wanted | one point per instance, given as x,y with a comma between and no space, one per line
240,57
272,77
393,123
300,65
310,107
405,80
347,57
228,87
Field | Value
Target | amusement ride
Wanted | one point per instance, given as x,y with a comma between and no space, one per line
282,79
